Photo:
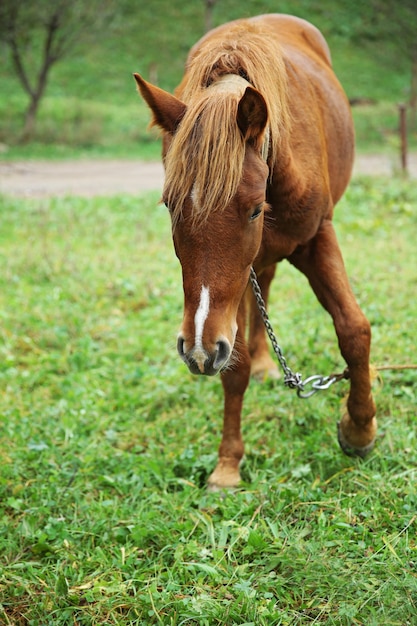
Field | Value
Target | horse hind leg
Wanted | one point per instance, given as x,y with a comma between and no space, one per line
322,263
262,364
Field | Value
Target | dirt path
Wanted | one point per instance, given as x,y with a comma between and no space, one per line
95,177
83,178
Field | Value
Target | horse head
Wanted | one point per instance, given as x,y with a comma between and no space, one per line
215,188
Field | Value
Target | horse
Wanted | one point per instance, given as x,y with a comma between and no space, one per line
258,147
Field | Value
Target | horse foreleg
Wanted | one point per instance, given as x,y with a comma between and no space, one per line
235,381
321,261
262,364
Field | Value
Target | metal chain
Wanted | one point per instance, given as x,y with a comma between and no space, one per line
291,379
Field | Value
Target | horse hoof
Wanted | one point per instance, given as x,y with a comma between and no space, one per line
357,450
265,369
224,477
222,491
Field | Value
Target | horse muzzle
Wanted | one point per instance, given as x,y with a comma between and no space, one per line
202,362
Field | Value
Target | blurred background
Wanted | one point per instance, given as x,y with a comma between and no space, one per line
66,87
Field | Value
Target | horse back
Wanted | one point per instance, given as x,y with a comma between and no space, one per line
295,32
322,135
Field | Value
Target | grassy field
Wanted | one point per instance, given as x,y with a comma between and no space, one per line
91,107
107,440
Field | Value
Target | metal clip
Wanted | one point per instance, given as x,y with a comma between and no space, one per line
318,383
293,380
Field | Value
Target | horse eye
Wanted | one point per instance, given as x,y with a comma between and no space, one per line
256,213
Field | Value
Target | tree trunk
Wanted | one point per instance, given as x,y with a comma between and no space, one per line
413,92
208,19
35,98
50,56
30,118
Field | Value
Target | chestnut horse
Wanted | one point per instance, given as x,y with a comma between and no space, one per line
258,148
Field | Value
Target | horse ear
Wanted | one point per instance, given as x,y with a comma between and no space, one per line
167,110
252,114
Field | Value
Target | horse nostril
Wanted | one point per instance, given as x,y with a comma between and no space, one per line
199,361
223,351
180,347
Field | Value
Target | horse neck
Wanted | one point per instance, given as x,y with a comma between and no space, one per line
287,176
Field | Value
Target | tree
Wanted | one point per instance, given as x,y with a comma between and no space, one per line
39,33
208,18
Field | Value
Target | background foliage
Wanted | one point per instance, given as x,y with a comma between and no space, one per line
91,106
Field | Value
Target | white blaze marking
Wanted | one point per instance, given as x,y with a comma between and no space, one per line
194,196
200,317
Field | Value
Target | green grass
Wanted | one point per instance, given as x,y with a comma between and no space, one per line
107,440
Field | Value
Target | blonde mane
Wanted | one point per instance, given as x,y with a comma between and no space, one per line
205,158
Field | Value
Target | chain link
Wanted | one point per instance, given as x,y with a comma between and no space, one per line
293,380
